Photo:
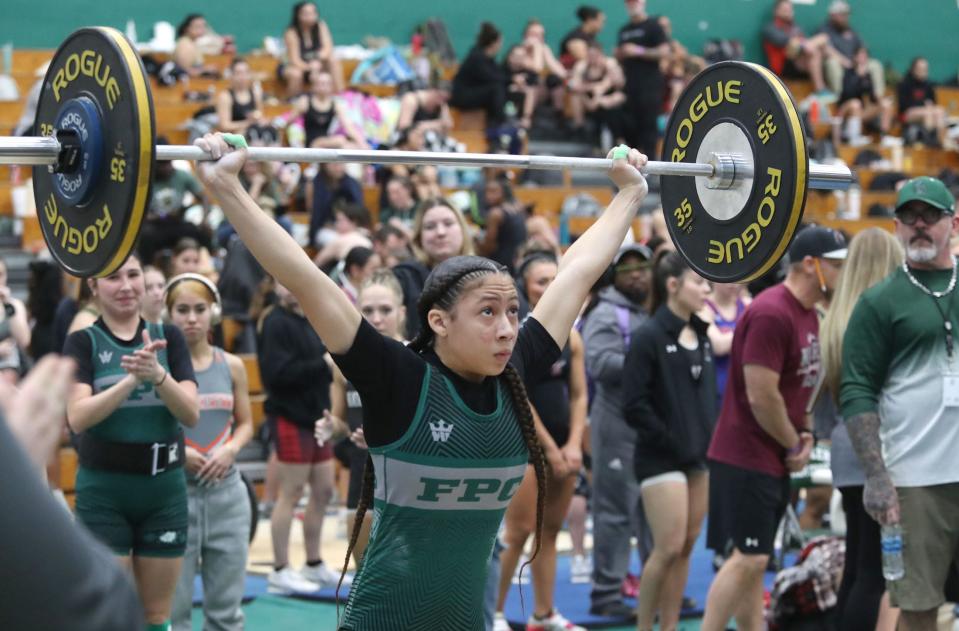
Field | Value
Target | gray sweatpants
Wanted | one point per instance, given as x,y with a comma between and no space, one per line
617,509
217,546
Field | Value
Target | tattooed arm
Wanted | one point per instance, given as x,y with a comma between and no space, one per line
879,495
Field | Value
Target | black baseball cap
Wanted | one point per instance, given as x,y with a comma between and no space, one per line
819,242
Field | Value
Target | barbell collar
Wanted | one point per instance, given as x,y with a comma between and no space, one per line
43,150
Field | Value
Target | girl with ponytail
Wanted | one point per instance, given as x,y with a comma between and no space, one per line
447,420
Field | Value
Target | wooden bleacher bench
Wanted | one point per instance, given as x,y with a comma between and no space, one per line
255,386
947,96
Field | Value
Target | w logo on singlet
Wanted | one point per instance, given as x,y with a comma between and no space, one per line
441,431
105,357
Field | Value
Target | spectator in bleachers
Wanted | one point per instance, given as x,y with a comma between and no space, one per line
400,207
154,283
789,53
185,258
679,66
861,104
551,75
172,192
521,91
640,46
87,312
240,106
845,42
14,331
297,380
351,226
504,224
358,265
480,82
331,185
576,43
596,89
429,112
392,244
319,108
44,292
309,48
187,54
917,105
439,232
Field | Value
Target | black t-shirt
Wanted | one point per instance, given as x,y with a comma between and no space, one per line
577,33
857,86
648,34
389,377
79,346
914,93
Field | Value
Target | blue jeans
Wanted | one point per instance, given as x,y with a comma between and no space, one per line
492,586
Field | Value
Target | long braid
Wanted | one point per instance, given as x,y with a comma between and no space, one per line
537,457
366,500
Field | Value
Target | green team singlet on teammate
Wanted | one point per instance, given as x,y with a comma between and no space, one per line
441,491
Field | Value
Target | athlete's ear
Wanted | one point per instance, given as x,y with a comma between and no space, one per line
438,321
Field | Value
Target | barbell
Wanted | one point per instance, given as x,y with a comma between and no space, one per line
733,189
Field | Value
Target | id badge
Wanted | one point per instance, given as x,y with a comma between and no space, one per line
950,390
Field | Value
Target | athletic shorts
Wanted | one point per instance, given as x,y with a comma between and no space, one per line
930,545
135,514
745,508
297,445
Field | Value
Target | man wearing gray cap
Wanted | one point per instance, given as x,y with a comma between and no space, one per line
763,432
617,511
900,398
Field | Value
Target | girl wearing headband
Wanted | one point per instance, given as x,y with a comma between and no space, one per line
218,506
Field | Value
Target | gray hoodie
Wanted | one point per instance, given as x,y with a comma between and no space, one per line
606,351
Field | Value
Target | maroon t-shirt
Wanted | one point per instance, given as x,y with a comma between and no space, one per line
776,332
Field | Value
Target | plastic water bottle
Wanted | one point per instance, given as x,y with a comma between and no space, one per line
891,543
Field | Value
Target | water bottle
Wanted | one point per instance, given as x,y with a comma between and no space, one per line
891,543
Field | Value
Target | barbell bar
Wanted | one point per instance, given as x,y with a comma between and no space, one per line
45,150
733,188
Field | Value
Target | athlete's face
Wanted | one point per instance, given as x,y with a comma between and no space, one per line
382,308
186,261
537,278
191,314
480,331
121,293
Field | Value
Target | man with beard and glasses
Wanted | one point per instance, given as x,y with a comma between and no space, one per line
606,336
900,398
763,432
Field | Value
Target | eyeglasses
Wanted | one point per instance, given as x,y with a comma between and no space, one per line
911,214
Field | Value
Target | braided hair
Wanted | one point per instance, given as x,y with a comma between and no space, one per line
445,284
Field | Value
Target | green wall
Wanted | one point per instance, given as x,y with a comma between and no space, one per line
895,30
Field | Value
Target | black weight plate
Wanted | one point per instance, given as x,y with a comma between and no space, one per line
745,246
94,235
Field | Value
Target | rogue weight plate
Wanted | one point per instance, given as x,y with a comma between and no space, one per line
96,85
740,233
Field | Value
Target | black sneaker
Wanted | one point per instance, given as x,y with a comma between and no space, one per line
614,610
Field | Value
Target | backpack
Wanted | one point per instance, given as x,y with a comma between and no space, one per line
437,41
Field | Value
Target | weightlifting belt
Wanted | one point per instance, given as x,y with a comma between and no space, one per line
139,458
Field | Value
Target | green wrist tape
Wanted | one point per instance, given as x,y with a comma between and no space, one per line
621,152
235,140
